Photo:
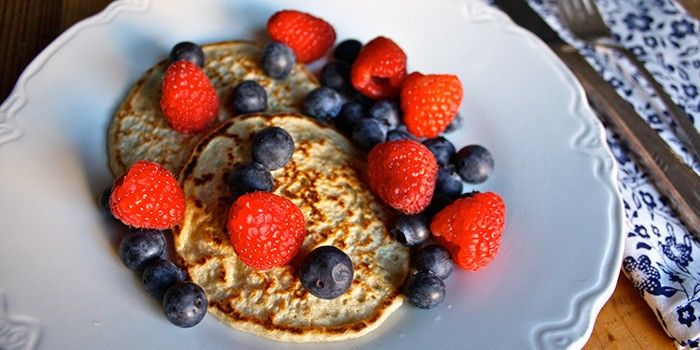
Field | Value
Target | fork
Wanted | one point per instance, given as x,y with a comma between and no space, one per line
585,22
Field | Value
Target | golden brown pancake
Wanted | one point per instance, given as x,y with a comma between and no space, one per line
140,131
322,179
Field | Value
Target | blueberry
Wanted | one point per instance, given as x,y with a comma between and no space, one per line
456,123
350,114
347,51
398,134
326,272
369,132
441,148
159,275
354,95
437,204
249,177
139,247
185,304
424,290
336,75
104,202
436,260
187,51
272,147
473,163
387,112
278,60
448,183
411,230
323,104
249,97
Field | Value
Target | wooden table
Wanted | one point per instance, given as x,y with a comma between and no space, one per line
29,25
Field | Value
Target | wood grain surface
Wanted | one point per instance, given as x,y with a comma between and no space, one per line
27,26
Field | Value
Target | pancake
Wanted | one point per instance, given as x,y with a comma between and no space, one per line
322,179
140,131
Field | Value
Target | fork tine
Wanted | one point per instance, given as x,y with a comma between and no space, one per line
572,14
594,16
566,13
577,5
583,19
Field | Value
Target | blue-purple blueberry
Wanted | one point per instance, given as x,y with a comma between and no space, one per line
455,124
443,149
249,97
368,133
336,75
354,95
187,51
436,260
437,204
249,177
473,163
398,134
323,104
347,50
159,275
448,183
137,248
185,304
103,202
278,60
272,147
327,272
386,112
350,114
424,290
411,230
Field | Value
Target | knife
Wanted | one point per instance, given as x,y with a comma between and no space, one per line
674,179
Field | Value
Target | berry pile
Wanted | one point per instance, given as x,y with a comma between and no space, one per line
367,93
399,119
148,199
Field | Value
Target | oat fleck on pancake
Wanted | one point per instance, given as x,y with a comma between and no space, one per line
140,131
323,179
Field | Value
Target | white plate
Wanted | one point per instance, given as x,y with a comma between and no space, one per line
560,255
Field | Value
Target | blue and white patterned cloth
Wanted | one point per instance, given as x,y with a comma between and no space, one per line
661,259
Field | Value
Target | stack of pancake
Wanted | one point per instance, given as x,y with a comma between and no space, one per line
323,179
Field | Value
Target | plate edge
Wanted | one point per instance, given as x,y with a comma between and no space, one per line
568,333
9,131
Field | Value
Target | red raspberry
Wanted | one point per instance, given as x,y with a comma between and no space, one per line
266,230
310,37
470,228
430,102
148,196
379,69
189,101
403,174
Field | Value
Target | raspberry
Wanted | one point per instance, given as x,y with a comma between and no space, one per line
310,37
403,174
470,228
148,196
430,102
266,230
379,69
189,100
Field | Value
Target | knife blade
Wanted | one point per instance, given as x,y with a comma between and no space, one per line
674,179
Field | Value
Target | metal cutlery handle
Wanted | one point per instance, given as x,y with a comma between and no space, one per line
686,130
673,177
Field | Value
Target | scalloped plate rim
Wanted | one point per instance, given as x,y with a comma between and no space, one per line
601,290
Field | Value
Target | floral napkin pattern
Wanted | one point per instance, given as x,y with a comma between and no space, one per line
661,258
